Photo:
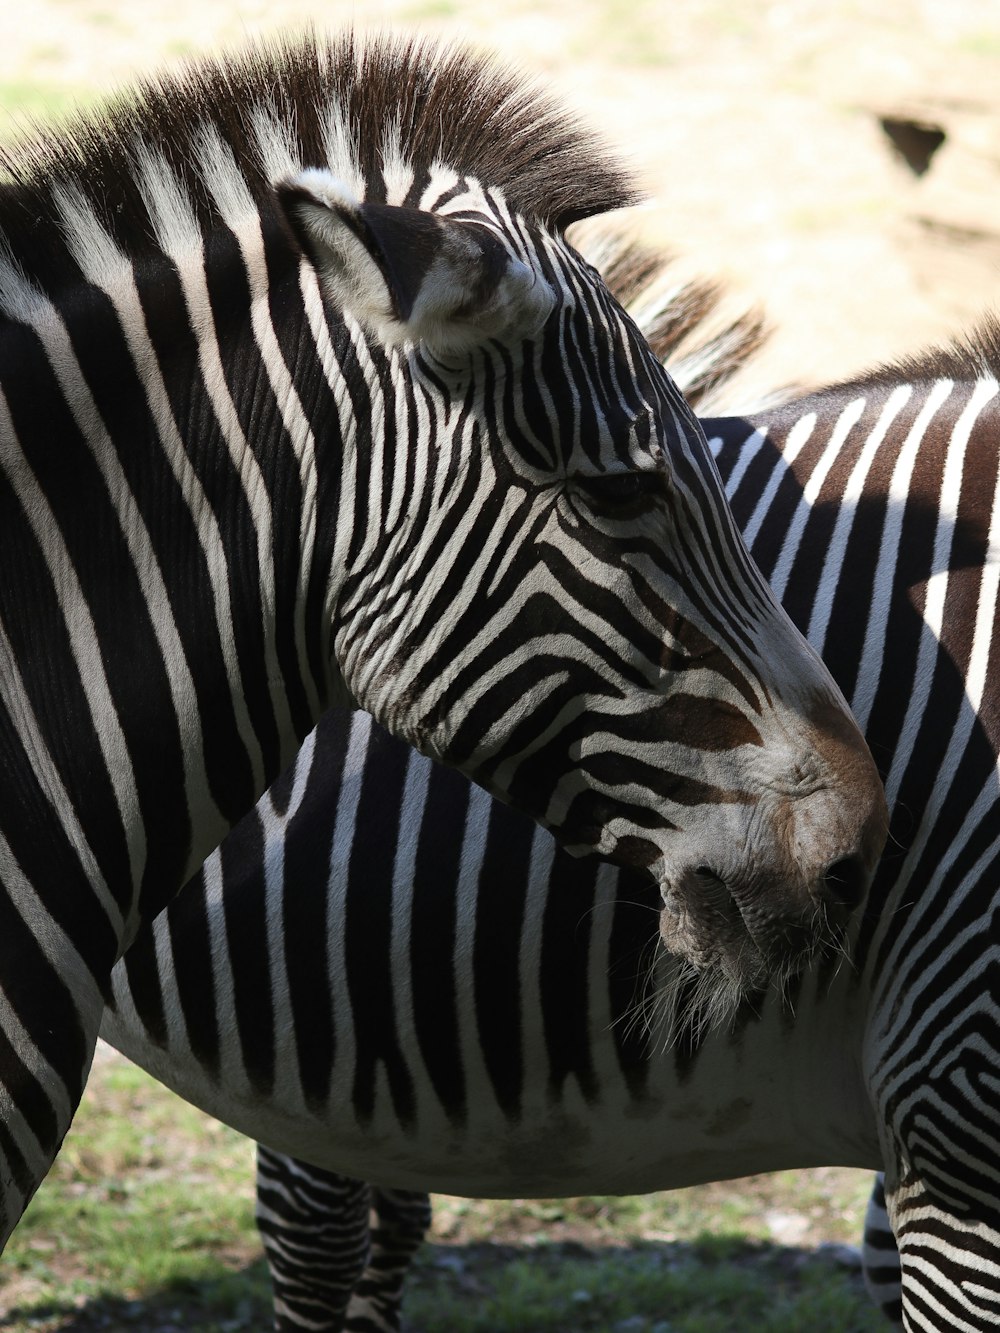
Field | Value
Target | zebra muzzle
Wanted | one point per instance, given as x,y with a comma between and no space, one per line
770,914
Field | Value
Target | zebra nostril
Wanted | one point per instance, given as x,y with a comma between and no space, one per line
845,882
712,891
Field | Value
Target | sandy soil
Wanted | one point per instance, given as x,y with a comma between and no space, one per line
754,127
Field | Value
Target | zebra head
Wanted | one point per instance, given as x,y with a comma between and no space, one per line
323,295
553,596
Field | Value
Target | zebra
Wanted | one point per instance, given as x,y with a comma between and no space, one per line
307,402
335,1245
466,1008
879,1251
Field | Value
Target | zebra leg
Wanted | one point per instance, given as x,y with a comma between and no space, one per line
314,1226
401,1220
51,1004
948,1247
880,1256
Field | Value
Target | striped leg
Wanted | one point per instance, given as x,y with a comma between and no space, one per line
401,1219
315,1229
948,1246
880,1256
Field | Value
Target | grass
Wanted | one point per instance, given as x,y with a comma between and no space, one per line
149,1199
985,43
709,1286
146,1223
26,103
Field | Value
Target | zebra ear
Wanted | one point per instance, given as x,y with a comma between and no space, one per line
412,276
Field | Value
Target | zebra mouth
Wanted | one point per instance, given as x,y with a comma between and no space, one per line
710,925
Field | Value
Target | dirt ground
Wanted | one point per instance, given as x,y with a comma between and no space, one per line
755,127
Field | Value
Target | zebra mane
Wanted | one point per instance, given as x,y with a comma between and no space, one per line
681,318
382,108
972,355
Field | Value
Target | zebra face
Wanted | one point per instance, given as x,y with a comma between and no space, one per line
557,601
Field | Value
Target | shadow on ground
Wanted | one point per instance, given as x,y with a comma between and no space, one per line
712,1284
229,1301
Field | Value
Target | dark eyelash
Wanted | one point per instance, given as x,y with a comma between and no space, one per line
620,490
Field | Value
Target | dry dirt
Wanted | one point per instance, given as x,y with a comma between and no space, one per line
755,127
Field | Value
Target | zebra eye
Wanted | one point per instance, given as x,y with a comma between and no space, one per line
618,492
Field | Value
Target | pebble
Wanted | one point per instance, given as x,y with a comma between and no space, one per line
841,1256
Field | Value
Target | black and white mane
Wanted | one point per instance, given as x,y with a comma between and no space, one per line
382,114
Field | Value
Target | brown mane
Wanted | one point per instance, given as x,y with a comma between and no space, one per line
970,355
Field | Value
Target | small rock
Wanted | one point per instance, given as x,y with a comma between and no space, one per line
841,1256
454,1263
787,1228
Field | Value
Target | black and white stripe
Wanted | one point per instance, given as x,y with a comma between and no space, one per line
305,399
879,1251
476,1012
339,1250
889,563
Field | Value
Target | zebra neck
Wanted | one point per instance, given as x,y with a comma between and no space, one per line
165,649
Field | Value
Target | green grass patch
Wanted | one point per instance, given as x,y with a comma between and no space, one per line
699,1287
149,1207
27,104
146,1223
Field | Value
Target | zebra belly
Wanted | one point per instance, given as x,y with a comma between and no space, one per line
426,993
772,1100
